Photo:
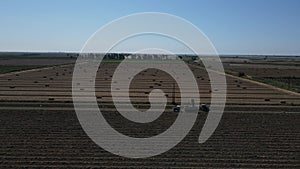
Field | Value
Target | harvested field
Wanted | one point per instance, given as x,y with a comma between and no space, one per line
39,128
55,82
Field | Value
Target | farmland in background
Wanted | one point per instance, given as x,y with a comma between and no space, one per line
282,72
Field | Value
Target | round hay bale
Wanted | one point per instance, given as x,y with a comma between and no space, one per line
51,99
282,102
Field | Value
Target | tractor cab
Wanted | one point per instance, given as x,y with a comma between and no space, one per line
176,109
204,107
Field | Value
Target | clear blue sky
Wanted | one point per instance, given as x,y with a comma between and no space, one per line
234,26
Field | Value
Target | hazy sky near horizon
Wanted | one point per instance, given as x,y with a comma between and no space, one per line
233,26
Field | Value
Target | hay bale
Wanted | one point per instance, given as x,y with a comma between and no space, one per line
51,99
282,102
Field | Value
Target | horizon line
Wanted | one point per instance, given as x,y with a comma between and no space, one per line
220,54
